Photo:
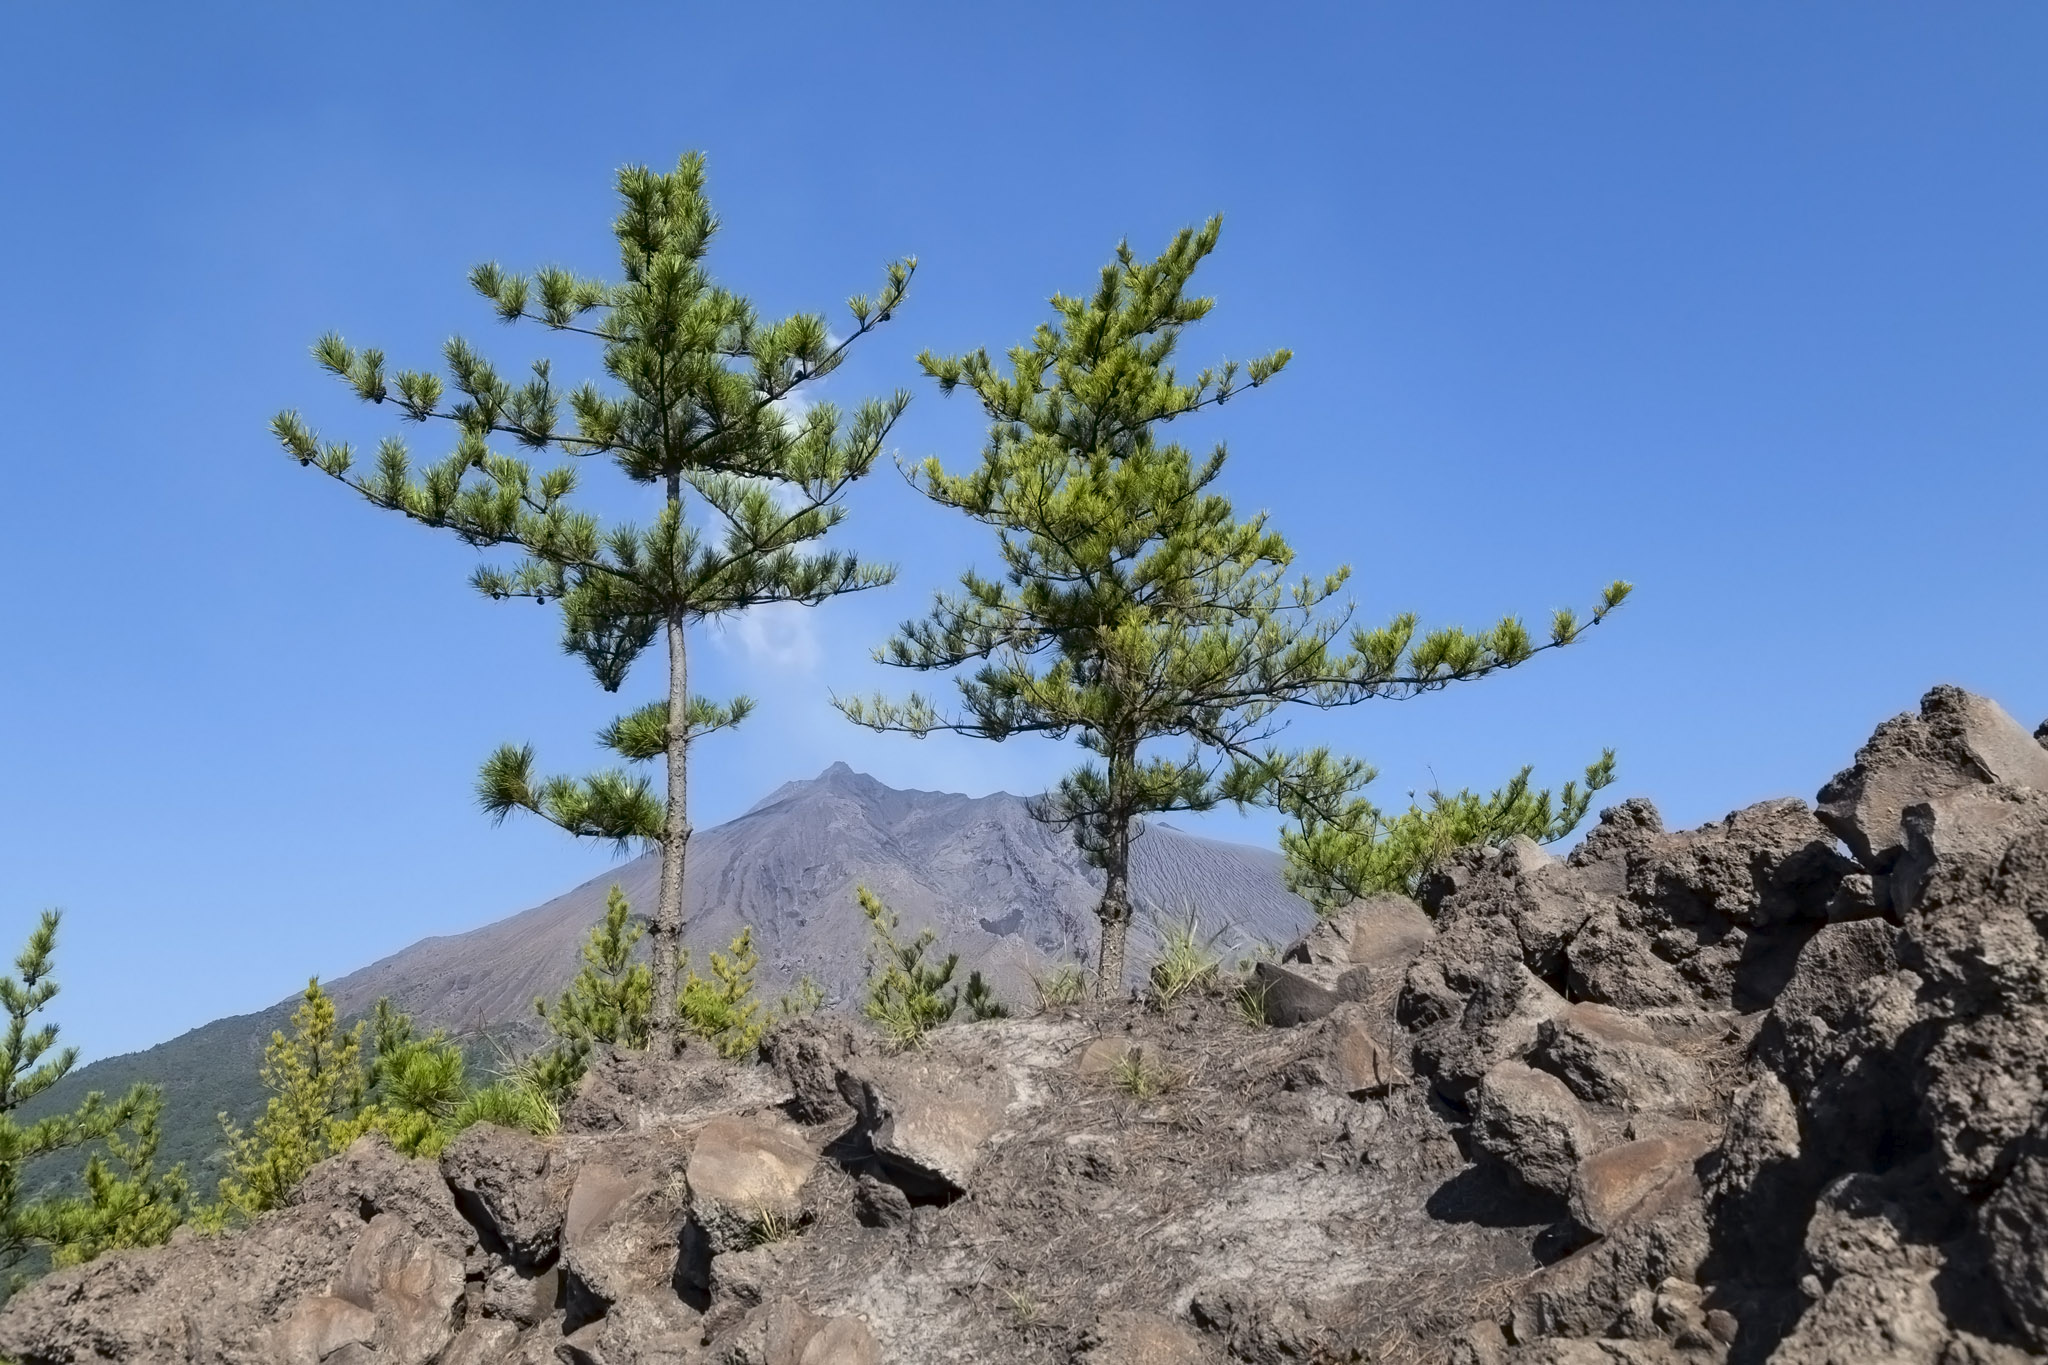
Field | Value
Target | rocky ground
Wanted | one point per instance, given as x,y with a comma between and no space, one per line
1774,1090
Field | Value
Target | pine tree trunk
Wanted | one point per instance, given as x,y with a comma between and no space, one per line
666,933
1115,909
1115,913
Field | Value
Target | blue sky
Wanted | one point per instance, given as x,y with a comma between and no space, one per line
1747,304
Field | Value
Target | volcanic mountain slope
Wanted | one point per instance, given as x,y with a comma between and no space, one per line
1004,891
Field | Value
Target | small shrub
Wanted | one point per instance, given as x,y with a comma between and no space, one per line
772,1225
515,1101
1186,960
806,997
907,995
1023,1305
1140,1078
980,1000
723,1008
1250,1003
1061,988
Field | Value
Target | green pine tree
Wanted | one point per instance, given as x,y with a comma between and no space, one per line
30,1063
1134,609
703,408
607,1003
416,1083
127,1201
908,994
722,1008
1341,846
319,1092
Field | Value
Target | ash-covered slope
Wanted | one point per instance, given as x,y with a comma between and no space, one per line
1004,891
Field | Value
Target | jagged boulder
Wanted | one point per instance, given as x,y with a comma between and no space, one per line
483,1342
1471,1002
1383,933
373,1178
1956,740
510,1189
1301,992
1610,1185
746,1180
411,1286
808,1054
1356,1062
225,1300
1533,1128
1608,1056
622,1229
516,1296
320,1327
926,1122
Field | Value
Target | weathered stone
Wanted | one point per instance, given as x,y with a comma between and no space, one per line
773,1333
483,1342
229,1292
2015,1223
1969,826
1292,993
1357,1064
1610,1288
634,1090
841,1341
649,1329
621,1233
781,1332
521,1298
920,1132
1472,1002
747,1174
503,1182
1957,740
373,1178
1610,1057
1532,1127
1610,1185
1134,1338
321,1325
1383,932
1832,964
1764,866
1613,962
411,1285
808,1054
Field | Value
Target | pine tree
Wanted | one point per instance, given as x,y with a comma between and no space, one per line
608,1002
909,994
1134,608
127,1201
28,1067
702,409
723,1008
416,1084
319,1092
1341,846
